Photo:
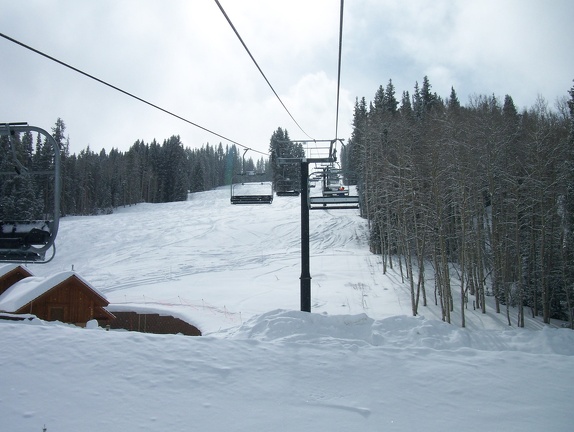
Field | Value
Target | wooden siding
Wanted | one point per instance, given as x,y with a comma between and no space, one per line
153,323
10,278
70,301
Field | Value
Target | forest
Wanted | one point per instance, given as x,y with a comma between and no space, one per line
482,195
96,183
476,197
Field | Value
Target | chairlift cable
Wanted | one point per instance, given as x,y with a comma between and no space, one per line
257,65
338,80
125,92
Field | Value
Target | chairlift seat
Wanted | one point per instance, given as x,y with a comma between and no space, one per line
23,234
286,187
334,202
252,193
288,193
252,199
21,256
335,191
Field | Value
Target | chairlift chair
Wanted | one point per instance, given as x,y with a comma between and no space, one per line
287,187
335,193
333,183
246,188
26,239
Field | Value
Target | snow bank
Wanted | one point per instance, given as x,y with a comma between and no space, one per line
287,371
398,332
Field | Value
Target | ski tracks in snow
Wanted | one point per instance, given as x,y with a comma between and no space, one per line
151,244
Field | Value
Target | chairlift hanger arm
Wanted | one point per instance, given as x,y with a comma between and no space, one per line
312,141
330,159
288,161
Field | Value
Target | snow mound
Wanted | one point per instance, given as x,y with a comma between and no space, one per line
419,332
398,332
295,326
21,318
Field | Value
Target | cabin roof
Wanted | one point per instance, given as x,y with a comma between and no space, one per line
30,288
7,268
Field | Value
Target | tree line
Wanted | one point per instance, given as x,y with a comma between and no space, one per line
477,198
481,194
97,182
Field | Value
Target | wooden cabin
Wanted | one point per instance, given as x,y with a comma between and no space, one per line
10,274
64,297
68,298
151,323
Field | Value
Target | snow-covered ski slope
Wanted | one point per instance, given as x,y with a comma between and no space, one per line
216,264
358,362
231,261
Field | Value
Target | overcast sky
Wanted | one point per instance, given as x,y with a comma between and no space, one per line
183,56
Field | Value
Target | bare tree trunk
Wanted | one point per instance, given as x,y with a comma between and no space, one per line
508,308
409,266
543,278
437,282
446,297
519,280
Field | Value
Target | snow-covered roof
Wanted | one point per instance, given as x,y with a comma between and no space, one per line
30,288
7,268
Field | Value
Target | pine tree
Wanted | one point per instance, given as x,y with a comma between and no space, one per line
417,101
379,99
18,199
390,102
428,99
453,103
352,155
280,147
406,108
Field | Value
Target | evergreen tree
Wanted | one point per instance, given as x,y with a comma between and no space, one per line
417,103
453,103
18,195
390,102
280,146
353,153
406,108
379,99
427,98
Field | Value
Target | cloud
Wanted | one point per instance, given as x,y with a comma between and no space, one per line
184,57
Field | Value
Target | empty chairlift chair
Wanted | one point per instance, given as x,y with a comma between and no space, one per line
287,187
250,188
29,194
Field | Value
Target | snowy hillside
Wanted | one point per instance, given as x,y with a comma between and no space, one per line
217,265
358,362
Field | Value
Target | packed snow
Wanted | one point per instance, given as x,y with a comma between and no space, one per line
359,361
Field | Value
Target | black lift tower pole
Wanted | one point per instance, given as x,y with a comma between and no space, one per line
305,264
305,256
